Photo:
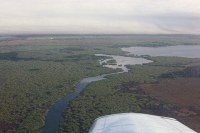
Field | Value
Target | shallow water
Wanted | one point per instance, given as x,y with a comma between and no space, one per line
122,61
188,51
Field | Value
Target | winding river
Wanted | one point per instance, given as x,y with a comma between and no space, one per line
115,62
55,111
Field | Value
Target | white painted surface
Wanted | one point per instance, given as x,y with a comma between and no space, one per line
138,123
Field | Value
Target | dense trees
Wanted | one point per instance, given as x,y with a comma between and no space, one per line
36,72
32,80
120,93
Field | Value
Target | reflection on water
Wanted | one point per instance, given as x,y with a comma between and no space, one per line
189,51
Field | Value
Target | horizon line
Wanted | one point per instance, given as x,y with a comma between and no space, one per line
73,34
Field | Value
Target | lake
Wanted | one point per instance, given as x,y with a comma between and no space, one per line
188,51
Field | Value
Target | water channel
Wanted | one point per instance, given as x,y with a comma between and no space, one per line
55,111
118,62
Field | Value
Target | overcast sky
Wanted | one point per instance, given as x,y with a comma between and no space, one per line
100,16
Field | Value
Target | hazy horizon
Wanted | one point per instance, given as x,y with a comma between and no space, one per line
100,17
97,34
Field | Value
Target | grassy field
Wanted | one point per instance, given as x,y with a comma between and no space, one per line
36,71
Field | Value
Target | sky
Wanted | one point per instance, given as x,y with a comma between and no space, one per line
100,16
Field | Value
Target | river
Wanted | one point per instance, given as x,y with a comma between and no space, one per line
54,114
55,111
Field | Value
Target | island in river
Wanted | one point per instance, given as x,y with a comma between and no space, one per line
36,72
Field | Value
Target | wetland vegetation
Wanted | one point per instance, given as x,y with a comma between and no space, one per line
35,72
121,93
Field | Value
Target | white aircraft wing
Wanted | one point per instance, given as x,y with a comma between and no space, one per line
138,123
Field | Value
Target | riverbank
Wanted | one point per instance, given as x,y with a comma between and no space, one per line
121,93
36,71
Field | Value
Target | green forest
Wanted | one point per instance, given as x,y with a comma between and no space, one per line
35,73
32,78
121,93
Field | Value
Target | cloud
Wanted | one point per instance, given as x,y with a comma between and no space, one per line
100,16
174,22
